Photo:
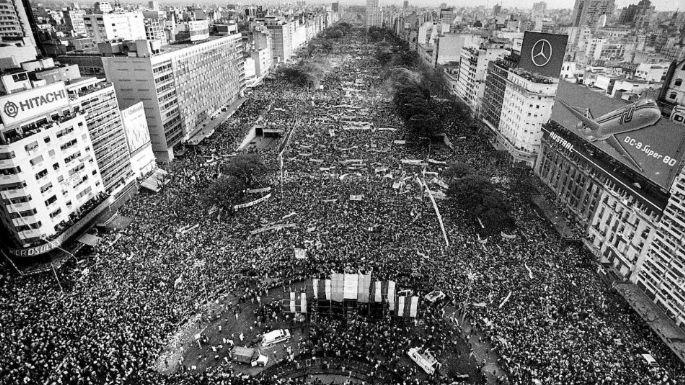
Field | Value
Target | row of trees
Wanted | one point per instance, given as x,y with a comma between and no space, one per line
243,172
478,198
306,73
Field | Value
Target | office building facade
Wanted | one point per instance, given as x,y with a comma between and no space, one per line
50,182
98,101
104,27
180,85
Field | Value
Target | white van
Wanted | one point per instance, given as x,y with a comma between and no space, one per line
649,360
274,337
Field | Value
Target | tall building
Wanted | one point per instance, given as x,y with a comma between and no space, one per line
673,91
50,182
473,65
662,275
374,14
16,34
519,93
104,27
539,9
282,40
629,206
98,101
637,15
587,13
181,86
102,7
526,105
75,21
154,30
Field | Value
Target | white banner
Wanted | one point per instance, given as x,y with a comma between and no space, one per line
300,253
391,294
378,293
292,302
400,306
254,202
328,289
303,302
258,190
414,306
351,286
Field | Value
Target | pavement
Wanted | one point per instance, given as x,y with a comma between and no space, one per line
483,351
209,126
661,324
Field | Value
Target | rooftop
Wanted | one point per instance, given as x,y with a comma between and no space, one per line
663,134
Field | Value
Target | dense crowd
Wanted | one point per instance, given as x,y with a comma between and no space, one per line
541,305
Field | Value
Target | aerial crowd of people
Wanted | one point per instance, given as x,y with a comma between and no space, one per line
349,193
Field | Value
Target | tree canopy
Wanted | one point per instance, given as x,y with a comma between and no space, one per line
480,200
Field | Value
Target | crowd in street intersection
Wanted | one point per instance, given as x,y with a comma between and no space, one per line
537,300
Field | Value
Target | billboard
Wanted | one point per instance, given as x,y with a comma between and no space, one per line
543,53
19,107
135,127
653,150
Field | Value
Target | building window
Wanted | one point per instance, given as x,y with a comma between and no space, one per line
678,82
672,95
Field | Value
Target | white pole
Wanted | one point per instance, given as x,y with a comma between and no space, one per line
437,212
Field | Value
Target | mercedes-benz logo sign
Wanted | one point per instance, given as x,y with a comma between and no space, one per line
541,53
11,109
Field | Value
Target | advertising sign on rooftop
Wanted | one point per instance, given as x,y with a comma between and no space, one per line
543,53
135,127
635,134
21,106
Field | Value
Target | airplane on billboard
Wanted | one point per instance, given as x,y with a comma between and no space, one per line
634,117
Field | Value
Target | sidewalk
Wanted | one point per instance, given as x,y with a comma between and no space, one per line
661,324
209,126
482,350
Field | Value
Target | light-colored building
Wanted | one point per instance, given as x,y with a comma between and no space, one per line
527,105
591,13
473,66
104,27
181,85
662,275
674,91
49,179
17,43
154,30
374,14
98,101
449,45
282,40
75,21
621,232
652,72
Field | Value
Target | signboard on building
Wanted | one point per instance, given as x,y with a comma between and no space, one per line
135,127
543,53
654,151
25,105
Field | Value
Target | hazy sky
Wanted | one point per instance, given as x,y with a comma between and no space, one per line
661,5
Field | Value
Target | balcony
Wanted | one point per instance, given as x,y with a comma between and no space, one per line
15,137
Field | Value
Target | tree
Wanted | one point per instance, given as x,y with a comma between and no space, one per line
480,200
248,168
457,170
225,192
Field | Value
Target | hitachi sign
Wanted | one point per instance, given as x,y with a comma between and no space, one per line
42,99
24,105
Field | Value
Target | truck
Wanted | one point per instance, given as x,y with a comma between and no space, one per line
248,356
